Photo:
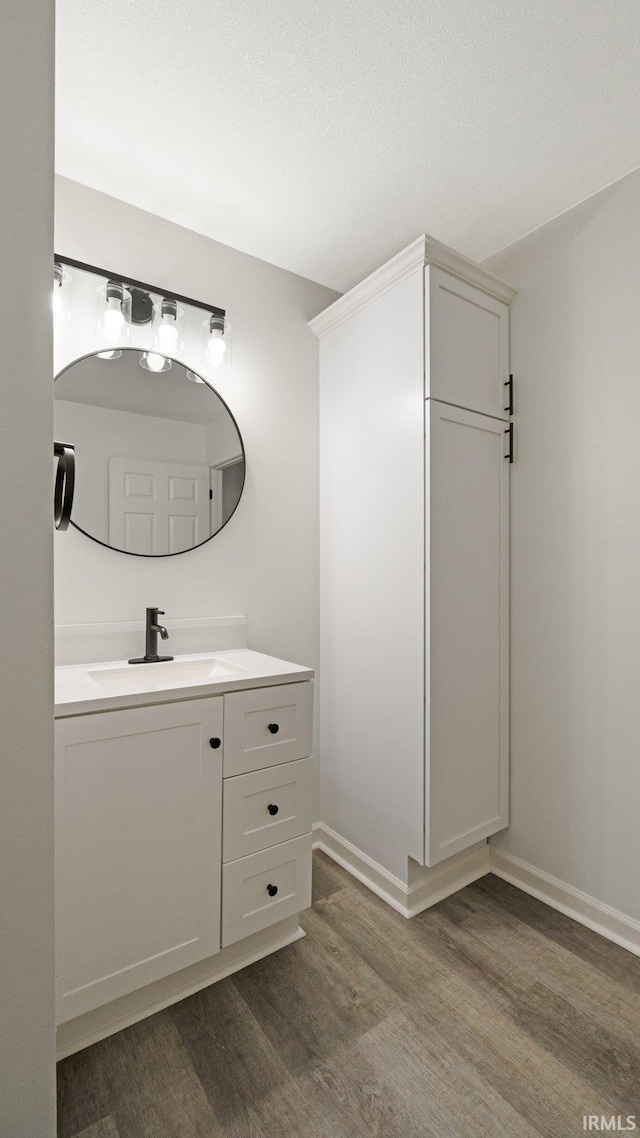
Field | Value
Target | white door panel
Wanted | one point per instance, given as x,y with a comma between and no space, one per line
157,507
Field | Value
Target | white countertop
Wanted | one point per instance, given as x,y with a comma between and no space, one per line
84,688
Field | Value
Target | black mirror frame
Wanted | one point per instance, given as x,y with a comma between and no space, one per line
154,556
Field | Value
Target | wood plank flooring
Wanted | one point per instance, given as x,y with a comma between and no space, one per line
488,1015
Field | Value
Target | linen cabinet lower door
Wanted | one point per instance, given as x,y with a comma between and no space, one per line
467,728
138,841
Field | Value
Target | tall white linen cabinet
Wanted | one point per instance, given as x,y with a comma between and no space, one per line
415,444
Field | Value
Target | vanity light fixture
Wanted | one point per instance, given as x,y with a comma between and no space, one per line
122,302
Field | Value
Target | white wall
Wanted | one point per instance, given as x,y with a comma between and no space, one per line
27,1072
222,440
576,547
100,433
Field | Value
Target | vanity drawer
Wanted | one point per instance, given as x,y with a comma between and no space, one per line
267,726
264,888
266,807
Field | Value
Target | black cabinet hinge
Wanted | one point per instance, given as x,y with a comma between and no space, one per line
509,432
509,384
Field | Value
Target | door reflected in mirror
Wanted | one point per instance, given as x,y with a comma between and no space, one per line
160,463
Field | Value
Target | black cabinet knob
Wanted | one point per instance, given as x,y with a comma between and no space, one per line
215,743
272,890
274,728
272,808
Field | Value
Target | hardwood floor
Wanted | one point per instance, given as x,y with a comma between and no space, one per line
488,1015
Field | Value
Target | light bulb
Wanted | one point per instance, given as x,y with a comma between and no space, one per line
155,362
167,333
216,347
114,315
56,300
112,355
113,318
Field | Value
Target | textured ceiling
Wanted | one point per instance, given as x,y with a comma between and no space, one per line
324,136
122,385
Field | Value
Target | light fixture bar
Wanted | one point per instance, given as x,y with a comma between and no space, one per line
167,294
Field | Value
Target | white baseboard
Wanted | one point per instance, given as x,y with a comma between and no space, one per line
438,883
603,919
98,1024
455,873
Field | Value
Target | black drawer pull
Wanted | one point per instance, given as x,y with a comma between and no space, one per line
272,890
272,808
274,728
215,743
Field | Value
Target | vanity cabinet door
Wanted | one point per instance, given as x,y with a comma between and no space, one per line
138,840
265,726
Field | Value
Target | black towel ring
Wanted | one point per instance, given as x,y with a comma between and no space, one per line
65,483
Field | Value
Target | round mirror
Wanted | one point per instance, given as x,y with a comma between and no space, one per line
159,458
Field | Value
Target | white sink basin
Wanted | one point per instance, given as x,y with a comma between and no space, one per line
167,674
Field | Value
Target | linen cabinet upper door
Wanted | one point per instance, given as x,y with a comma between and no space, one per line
467,345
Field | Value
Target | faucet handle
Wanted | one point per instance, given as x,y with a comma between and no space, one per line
159,612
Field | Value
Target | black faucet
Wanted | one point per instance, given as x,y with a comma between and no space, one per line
151,639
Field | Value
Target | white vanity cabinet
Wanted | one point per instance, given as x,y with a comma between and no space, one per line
414,563
141,805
